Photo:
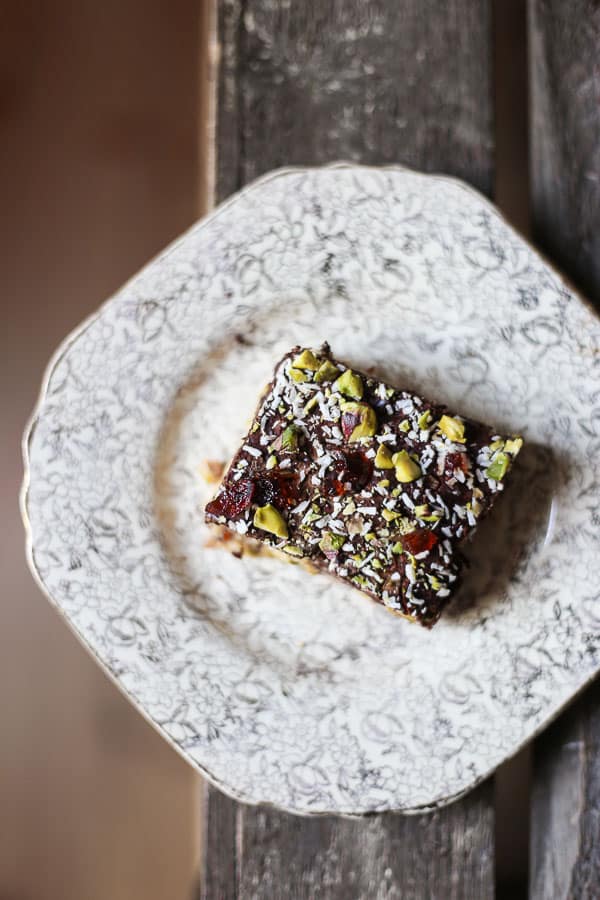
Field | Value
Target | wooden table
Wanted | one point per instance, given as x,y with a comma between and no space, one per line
413,81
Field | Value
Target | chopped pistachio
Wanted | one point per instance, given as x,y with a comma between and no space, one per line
350,385
385,482
367,420
377,564
383,460
389,393
297,375
349,508
398,548
310,517
254,428
435,582
404,426
293,551
424,420
326,372
407,469
289,438
396,492
513,445
370,536
421,510
311,404
360,580
434,517
331,542
453,429
496,445
306,360
271,462
389,515
267,518
497,468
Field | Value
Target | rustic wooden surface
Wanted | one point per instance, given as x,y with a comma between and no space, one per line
565,136
565,177
380,82
447,855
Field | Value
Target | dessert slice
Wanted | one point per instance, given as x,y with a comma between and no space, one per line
370,483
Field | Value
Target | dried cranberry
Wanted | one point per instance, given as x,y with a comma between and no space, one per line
353,469
278,487
233,500
456,461
418,541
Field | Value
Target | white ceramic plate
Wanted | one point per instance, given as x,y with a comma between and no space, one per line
278,685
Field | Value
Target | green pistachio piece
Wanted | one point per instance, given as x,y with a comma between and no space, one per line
267,518
396,492
434,517
385,482
326,372
398,548
424,420
404,426
306,360
497,468
367,420
254,428
389,393
383,460
513,445
407,469
377,564
370,536
360,580
421,510
311,404
271,462
297,375
330,542
349,508
435,582
496,445
293,551
453,429
350,385
389,515
289,438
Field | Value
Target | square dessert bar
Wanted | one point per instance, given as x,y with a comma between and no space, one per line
372,484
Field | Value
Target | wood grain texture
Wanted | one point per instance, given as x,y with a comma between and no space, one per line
565,849
376,82
565,180
565,136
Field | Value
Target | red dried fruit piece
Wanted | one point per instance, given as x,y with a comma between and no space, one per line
350,468
418,541
233,500
281,487
456,461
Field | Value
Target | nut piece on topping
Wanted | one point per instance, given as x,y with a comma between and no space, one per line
350,385
267,518
407,469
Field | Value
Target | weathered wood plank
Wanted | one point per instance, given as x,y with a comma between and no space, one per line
447,855
377,82
565,177
565,136
565,827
